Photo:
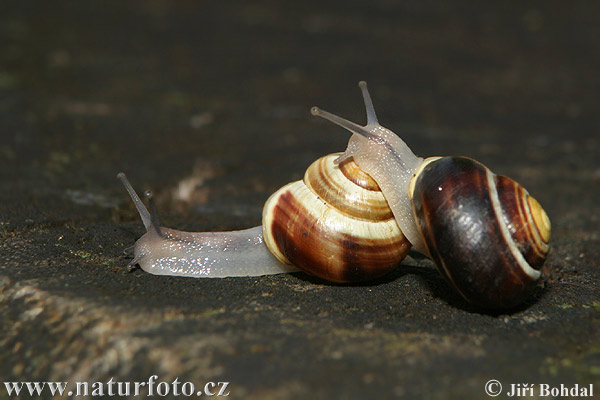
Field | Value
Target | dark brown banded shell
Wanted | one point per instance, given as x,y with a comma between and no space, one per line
327,241
482,247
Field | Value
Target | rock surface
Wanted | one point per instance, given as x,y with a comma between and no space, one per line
207,103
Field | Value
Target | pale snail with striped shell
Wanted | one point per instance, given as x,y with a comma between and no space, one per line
356,214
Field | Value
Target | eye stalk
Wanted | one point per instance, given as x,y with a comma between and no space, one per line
367,131
387,159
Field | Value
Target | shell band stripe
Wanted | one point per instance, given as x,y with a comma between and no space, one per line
536,244
329,182
304,232
542,246
357,176
515,210
516,253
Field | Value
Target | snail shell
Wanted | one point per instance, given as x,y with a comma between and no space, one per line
486,235
335,224
484,232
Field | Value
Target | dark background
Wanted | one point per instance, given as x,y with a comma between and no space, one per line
215,97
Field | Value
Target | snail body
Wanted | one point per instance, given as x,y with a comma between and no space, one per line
355,215
334,224
165,251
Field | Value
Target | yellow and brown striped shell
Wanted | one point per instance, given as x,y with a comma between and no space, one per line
487,236
335,224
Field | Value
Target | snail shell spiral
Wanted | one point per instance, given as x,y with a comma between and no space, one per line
487,236
334,224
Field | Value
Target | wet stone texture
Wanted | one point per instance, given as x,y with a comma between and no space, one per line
207,104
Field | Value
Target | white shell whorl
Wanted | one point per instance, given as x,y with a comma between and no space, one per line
315,225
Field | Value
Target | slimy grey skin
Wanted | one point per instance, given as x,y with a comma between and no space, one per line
165,251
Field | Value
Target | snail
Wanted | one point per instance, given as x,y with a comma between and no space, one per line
334,224
356,214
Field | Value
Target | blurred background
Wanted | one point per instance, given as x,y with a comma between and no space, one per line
137,85
207,103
